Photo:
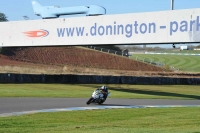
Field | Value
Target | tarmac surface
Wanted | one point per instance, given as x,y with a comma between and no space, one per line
10,105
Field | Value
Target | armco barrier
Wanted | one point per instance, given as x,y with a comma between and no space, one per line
93,79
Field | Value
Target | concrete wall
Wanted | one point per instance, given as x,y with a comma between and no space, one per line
92,79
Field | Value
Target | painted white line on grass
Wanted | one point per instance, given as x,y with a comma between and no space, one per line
92,108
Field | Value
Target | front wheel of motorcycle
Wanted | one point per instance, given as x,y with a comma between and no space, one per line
89,101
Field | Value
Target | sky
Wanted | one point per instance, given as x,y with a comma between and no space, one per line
16,9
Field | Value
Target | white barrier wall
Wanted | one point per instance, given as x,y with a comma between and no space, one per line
136,28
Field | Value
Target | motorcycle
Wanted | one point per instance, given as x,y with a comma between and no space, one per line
97,97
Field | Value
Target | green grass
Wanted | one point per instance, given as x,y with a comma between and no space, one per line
183,51
149,120
182,62
85,90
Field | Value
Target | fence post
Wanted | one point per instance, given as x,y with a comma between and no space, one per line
115,52
101,49
108,51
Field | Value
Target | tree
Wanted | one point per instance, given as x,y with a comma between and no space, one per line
198,46
3,17
190,47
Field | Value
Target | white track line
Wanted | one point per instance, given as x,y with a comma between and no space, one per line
92,108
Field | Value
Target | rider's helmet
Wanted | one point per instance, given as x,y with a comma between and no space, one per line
103,88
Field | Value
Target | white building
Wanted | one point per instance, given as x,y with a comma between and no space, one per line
197,49
183,47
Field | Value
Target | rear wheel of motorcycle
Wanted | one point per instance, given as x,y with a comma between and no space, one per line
89,101
101,102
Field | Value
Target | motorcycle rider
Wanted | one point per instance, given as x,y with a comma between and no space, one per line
104,91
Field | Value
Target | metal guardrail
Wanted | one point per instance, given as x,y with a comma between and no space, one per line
137,58
108,51
150,62
159,64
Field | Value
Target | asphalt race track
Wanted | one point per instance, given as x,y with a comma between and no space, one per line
11,105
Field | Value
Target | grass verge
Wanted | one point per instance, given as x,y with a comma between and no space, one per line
183,62
151,120
85,90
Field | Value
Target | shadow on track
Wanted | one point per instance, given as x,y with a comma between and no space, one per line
156,93
148,92
110,104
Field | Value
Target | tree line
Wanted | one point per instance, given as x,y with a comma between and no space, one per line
3,17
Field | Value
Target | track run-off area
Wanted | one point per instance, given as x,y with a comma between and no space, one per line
22,106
